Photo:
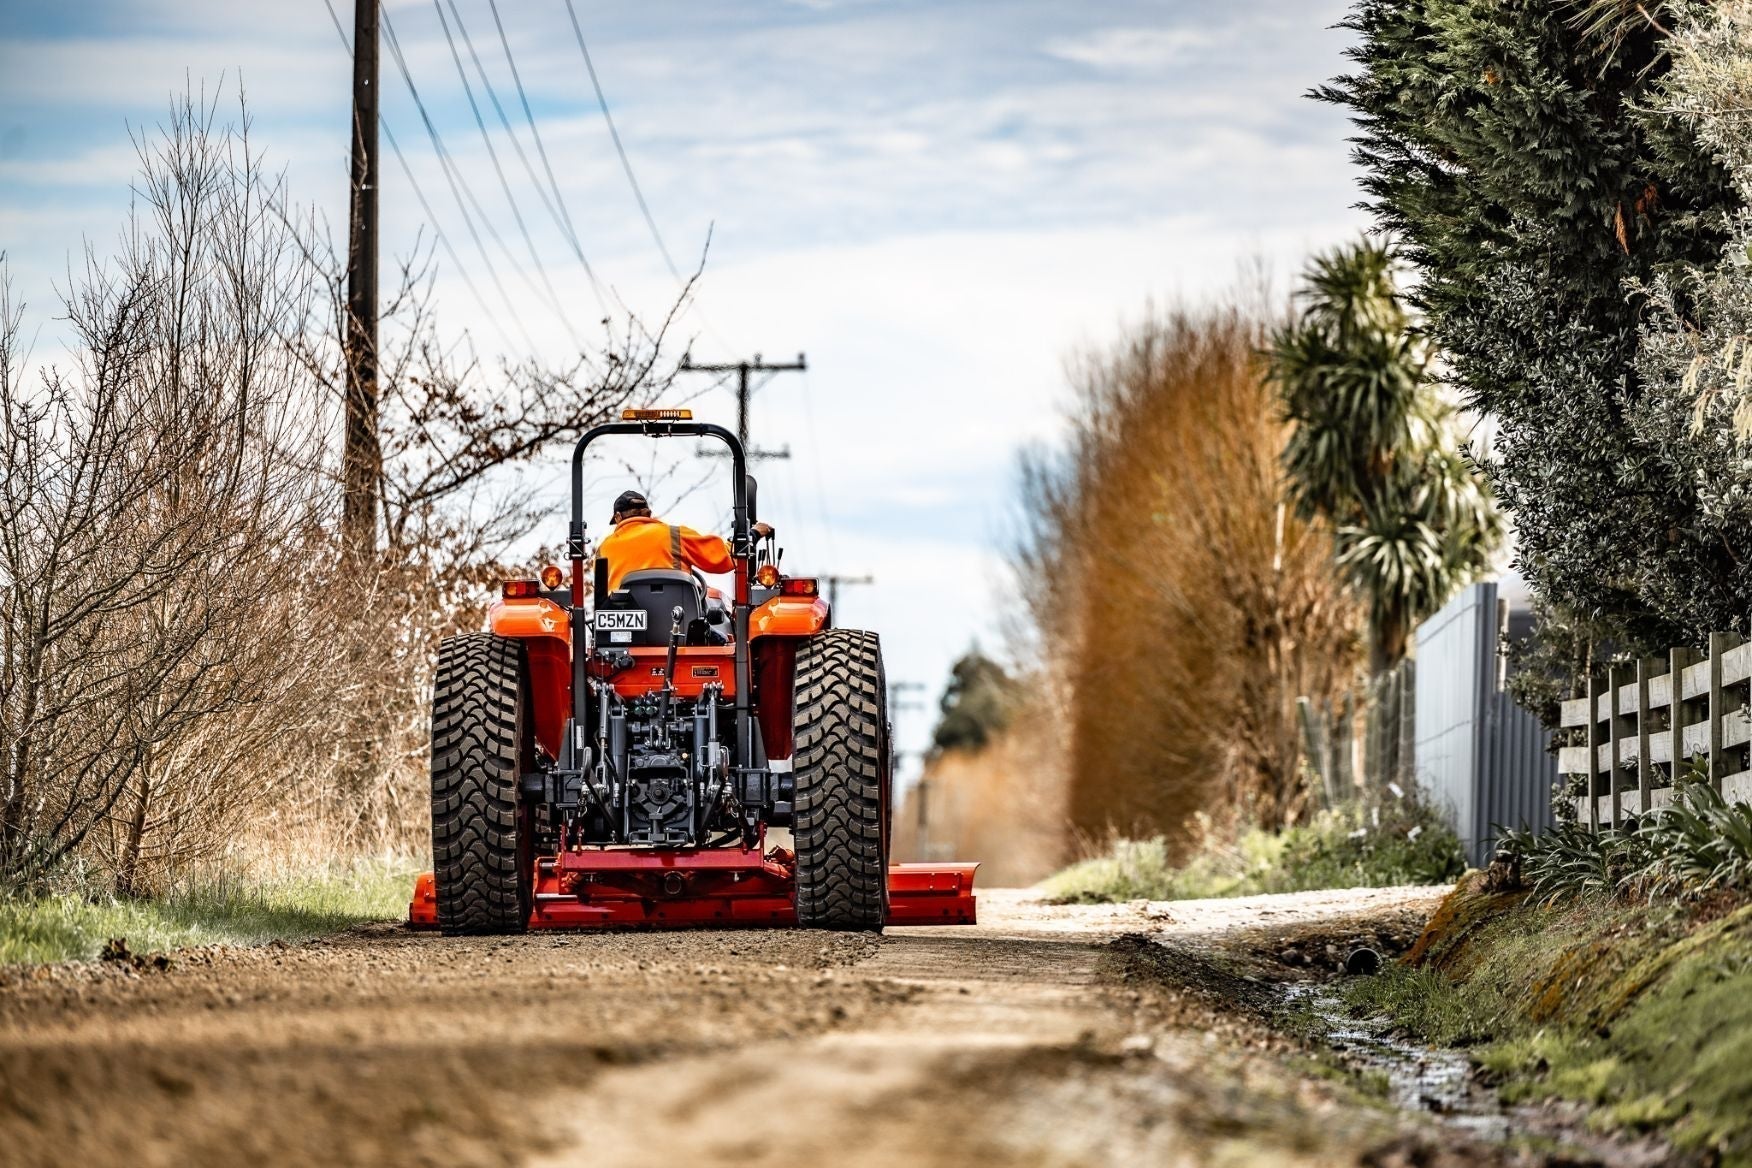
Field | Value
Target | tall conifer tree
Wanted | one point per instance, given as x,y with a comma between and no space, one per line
1512,149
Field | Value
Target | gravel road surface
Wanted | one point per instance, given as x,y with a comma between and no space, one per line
1047,1035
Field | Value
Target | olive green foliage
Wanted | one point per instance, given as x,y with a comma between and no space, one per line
67,925
1402,842
977,703
1639,1011
1372,449
1543,669
1518,153
1695,358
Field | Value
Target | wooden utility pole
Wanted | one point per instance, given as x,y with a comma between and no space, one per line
361,456
743,392
834,582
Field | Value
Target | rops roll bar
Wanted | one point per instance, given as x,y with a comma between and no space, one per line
741,549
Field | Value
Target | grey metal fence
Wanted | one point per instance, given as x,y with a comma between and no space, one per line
1476,752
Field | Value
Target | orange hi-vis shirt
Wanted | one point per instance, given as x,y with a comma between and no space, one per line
640,544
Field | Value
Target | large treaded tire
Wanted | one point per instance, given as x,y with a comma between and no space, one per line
482,743
840,766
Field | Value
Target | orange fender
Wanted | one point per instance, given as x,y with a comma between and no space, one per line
788,616
534,616
545,630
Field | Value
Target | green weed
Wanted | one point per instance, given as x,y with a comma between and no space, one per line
61,926
1698,844
1399,843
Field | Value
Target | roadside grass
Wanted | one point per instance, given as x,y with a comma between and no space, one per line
70,926
1356,847
1640,1010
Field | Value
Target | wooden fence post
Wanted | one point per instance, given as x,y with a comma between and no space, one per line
1594,743
1317,748
1678,713
1347,745
1719,644
1646,669
1618,677
1337,741
1406,763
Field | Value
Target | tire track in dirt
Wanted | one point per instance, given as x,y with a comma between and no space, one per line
1027,1040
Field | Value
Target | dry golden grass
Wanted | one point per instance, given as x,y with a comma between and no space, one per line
1003,806
1181,606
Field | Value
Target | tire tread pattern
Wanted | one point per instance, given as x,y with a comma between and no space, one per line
840,765
479,747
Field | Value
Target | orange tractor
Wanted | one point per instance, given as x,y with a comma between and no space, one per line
620,763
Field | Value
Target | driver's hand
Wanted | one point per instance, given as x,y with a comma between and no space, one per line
763,530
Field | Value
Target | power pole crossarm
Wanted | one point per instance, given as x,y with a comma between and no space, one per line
834,582
744,391
361,456
897,691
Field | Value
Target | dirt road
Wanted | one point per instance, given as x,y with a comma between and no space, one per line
1050,1036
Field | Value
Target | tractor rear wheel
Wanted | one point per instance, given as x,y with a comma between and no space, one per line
841,769
482,743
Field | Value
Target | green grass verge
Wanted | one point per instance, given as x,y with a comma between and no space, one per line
1641,1011
1350,848
65,926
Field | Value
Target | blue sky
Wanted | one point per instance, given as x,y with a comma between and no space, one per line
939,202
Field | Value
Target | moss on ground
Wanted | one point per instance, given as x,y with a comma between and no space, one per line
67,926
1642,1011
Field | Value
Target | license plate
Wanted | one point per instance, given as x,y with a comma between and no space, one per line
620,620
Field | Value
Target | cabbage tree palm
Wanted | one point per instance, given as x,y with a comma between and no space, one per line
1372,449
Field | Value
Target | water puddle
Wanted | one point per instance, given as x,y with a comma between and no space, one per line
1437,1082
1444,1085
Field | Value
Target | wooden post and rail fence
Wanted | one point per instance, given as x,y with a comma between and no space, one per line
1648,722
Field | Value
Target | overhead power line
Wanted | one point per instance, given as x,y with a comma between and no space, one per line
555,212
817,454
462,190
626,164
425,206
452,178
540,149
505,186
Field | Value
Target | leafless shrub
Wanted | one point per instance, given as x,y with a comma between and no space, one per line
190,672
152,507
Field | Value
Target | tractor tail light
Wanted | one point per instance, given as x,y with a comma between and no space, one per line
801,586
767,576
552,577
519,589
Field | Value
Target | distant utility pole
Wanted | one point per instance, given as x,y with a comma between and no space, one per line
834,582
897,691
360,455
742,369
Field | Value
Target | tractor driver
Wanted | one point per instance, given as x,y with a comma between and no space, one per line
639,543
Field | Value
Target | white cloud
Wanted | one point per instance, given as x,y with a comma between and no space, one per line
1133,48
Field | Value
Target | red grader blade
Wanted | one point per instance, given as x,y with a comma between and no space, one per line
705,888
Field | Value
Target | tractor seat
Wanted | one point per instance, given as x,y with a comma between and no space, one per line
658,591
